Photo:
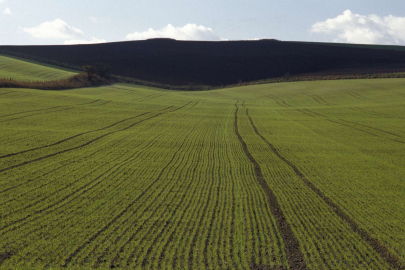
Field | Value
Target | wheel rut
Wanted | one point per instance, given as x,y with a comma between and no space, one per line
390,258
89,142
295,258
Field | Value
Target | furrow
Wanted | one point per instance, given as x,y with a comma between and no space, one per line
390,258
47,109
99,232
87,143
295,257
150,204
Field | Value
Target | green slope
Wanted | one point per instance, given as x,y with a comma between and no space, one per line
18,69
135,177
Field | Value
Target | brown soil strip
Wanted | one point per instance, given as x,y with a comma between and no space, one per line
390,258
294,255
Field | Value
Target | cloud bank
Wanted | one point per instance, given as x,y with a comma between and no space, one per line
187,32
56,29
363,29
7,11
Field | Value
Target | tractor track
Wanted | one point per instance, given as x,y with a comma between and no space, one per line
294,255
87,143
99,232
390,258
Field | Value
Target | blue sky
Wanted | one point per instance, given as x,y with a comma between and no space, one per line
68,22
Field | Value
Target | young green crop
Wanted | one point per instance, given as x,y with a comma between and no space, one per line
17,69
134,177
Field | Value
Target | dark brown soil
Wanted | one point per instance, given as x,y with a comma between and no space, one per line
215,63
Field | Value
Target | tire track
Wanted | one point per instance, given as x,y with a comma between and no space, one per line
116,167
87,143
25,116
294,255
356,128
33,203
99,232
6,93
152,97
374,113
50,182
390,258
312,113
41,111
360,97
318,99
70,138
369,112
99,179
80,134
81,104
132,203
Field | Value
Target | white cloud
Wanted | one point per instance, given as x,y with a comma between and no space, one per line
56,29
7,11
81,41
2,1
94,19
364,29
187,32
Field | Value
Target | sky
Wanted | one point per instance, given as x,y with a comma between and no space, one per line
43,22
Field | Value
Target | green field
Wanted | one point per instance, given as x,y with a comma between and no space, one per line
305,175
17,69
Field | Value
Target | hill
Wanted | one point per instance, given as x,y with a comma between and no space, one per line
19,69
305,175
216,63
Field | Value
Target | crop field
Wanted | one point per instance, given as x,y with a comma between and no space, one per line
18,69
305,175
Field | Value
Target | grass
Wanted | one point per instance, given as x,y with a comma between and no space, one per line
137,177
23,70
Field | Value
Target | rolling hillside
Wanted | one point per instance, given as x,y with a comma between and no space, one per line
305,175
19,69
215,63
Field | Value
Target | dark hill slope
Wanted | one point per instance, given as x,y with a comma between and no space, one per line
215,63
